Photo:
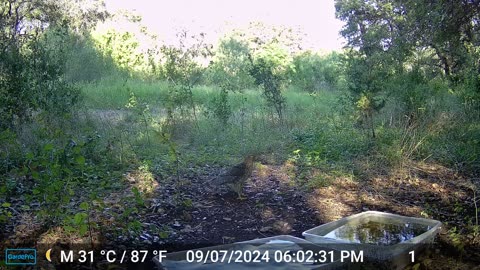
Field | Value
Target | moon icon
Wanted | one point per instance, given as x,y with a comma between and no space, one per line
47,255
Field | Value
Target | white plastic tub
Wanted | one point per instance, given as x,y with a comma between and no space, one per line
399,253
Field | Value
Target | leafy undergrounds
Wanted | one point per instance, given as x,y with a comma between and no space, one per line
181,211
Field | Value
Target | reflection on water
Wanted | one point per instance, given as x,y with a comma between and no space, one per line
378,233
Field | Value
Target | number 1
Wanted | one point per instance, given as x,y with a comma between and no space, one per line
412,253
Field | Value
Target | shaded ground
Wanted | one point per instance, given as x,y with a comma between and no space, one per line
271,206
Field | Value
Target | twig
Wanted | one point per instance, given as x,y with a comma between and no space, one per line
13,209
476,206
260,232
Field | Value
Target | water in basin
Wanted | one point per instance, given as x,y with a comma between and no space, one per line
378,233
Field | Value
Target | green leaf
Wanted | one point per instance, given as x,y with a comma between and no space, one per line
76,150
163,234
84,206
67,171
35,175
48,147
416,266
79,218
6,204
80,160
83,229
68,228
29,156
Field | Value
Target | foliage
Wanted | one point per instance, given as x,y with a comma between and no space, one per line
85,62
54,176
5,213
78,222
32,79
122,48
419,99
413,91
257,35
50,90
123,41
418,57
469,81
182,69
33,60
366,77
270,68
313,72
219,106
401,29
231,64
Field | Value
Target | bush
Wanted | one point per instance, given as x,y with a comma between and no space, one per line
270,69
85,63
33,78
231,65
313,72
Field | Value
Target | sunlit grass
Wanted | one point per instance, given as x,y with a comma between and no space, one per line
253,126
114,92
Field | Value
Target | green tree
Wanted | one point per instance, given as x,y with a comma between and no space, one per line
32,35
258,35
85,62
313,72
367,77
122,48
405,31
231,63
270,67
181,67
131,48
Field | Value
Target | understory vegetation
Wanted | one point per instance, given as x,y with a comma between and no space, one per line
88,116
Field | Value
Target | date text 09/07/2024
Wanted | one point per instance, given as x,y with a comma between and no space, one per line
278,256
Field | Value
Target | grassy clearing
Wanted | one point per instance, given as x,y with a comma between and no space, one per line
251,126
313,135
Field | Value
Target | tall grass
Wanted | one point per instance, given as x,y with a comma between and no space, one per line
114,92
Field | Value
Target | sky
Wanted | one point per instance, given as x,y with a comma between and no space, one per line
315,18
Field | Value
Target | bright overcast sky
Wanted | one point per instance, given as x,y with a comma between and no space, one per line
316,18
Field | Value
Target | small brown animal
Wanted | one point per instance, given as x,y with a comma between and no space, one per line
236,176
